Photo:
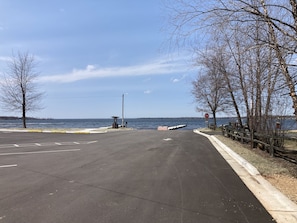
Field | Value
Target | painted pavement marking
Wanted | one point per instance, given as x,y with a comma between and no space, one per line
39,152
7,166
7,146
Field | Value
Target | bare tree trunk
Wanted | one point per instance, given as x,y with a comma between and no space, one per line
231,92
24,118
24,111
294,12
234,102
244,89
214,119
259,75
272,78
283,64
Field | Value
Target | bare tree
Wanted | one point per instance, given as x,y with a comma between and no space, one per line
19,87
254,71
209,90
277,18
282,33
257,42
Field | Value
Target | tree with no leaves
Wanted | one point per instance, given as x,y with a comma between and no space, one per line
267,27
209,89
18,88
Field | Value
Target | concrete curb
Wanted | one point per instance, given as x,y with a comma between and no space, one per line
281,208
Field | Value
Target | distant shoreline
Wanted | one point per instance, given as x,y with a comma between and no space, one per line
144,118
18,118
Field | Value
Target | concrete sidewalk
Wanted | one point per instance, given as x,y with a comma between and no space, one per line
281,208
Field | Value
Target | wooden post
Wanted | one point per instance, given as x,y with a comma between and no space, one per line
271,147
252,138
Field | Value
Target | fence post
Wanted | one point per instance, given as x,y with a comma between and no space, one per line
271,147
252,139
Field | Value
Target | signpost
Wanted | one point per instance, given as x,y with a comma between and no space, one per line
206,116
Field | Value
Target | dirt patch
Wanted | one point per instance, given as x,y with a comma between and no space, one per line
286,184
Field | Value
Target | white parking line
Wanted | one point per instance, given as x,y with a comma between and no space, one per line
7,166
42,144
39,152
91,142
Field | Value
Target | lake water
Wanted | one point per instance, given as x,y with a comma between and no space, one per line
136,123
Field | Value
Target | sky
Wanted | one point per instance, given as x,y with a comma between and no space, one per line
90,53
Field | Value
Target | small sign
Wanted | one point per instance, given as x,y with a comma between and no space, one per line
206,115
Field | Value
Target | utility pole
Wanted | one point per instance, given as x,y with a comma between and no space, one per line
123,98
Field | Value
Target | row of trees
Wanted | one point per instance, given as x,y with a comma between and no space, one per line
19,92
248,64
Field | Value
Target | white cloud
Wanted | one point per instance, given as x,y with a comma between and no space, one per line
90,68
176,80
5,59
156,67
147,92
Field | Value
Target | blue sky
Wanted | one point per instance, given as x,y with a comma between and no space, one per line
91,52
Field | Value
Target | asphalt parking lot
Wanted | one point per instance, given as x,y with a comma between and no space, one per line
130,176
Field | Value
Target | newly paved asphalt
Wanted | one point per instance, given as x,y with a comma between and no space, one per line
127,177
